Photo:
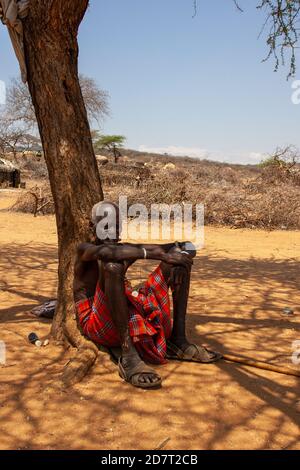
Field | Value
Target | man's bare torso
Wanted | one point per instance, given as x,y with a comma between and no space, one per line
86,276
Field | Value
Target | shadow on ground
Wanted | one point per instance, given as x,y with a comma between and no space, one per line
235,306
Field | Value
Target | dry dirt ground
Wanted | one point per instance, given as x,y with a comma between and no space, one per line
241,282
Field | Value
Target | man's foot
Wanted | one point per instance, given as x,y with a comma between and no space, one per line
134,371
185,351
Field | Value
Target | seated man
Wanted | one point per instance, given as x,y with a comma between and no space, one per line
111,313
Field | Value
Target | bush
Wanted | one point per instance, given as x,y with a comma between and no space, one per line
36,201
233,195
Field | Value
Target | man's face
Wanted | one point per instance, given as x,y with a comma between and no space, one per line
108,223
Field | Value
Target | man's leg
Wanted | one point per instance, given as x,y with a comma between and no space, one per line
118,306
178,279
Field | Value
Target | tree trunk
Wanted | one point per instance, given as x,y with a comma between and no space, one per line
51,50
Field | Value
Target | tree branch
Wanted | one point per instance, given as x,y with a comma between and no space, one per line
282,17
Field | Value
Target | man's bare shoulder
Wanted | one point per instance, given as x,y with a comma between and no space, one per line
90,252
84,246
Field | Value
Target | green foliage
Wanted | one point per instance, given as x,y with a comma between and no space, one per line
283,158
271,161
282,27
109,142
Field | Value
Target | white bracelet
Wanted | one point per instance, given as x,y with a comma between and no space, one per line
145,253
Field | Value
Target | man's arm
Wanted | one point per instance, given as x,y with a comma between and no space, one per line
166,247
131,253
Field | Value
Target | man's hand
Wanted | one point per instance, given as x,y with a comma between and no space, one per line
189,247
178,259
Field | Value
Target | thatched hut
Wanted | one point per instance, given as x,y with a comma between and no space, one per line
9,175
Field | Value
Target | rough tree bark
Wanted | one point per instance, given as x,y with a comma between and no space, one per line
51,50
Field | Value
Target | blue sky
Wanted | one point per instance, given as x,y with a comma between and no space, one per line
183,85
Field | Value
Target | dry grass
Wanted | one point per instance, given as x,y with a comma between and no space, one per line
233,195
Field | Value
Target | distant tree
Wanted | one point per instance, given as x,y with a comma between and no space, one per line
95,99
283,159
112,143
31,143
14,139
19,108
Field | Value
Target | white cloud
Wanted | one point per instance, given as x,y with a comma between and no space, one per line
194,152
197,152
255,157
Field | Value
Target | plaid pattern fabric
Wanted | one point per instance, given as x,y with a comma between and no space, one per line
150,323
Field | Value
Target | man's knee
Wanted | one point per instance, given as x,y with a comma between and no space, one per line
114,269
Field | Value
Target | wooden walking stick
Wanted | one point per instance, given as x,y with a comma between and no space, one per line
262,365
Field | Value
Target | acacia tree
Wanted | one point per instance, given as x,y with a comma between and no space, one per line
51,52
112,143
51,56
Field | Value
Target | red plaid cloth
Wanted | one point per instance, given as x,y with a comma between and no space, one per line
150,323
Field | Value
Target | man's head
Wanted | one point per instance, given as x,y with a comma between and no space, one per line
107,221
